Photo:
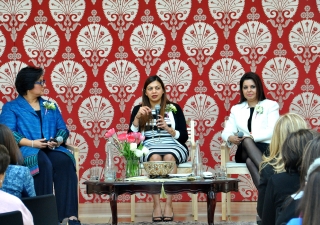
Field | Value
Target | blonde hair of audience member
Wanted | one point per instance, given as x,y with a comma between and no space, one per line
286,124
310,201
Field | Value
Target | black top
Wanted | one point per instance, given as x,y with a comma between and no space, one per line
265,175
250,119
279,188
288,211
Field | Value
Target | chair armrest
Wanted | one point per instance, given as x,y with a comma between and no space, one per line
225,153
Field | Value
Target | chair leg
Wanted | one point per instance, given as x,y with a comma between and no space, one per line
228,204
223,206
133,207
195,206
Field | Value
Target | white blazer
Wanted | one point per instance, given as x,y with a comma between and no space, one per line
262,124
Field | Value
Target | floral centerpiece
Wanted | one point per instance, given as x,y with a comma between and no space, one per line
130,147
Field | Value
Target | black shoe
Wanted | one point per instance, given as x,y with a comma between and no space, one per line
74,222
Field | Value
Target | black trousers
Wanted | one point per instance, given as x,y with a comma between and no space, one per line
56,168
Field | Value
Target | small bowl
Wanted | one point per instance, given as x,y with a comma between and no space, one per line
158,168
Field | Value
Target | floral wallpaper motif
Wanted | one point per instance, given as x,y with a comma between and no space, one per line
97,55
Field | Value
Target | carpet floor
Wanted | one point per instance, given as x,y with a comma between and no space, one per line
177,223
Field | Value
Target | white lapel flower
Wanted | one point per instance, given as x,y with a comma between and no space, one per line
259,109
171,108
49,105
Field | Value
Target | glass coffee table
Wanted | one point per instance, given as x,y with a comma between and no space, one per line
208,186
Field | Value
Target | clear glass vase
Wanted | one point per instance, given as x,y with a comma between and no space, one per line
132,168
110,169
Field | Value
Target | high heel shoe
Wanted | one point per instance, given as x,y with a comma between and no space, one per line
156,218
168,218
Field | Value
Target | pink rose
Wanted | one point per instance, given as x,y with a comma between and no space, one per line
131,139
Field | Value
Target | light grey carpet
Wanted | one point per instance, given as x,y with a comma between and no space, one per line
177,223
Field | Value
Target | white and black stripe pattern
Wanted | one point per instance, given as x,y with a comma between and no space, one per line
163,143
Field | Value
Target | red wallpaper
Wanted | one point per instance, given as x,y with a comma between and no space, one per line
97,54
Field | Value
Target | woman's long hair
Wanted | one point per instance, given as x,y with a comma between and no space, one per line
310,201
257,81
146,102
286,124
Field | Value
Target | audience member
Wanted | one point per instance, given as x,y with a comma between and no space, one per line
8,202
18,180
254,116
290,207
310,201
282,185
273,163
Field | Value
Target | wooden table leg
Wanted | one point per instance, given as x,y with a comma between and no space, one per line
113,206
211,204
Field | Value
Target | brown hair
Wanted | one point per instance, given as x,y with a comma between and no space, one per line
7,139
257,81
146,102
4,159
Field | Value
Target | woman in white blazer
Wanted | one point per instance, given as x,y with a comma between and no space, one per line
254,117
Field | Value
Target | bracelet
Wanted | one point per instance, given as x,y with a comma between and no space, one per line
32,143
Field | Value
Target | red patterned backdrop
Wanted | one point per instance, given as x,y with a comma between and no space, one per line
97,54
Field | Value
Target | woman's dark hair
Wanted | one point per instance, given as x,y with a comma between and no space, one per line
7,139
293,146
4,159
256,79
310,201
26,78
146,102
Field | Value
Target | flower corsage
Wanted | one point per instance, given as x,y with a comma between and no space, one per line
171,108
49,105
259,109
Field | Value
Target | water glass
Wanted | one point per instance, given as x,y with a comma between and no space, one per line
94,173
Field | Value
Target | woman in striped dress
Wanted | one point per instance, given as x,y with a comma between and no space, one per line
164,126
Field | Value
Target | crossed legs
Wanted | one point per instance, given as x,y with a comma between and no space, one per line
168,210
252,155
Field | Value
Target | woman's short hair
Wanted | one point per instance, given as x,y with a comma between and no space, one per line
4,159
293,146
7,139
26,78
287,123
259,87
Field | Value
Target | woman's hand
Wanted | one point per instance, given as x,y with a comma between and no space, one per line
52,143
40,143
235,139
144,110
161,123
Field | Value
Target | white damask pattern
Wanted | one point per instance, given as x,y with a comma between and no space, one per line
121,79
281,10
200,42
94,44
120,13
95,115
67,14
177,76
147,43
304,40
69,79
307,105
2,43
14,14
280,76
79,141
226,14
224,78
41,44
318,74
173,13
253,40
8,73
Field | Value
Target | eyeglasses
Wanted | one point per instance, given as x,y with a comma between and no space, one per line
41,82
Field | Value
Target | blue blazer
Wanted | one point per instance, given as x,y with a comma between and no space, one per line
261,126
24,122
